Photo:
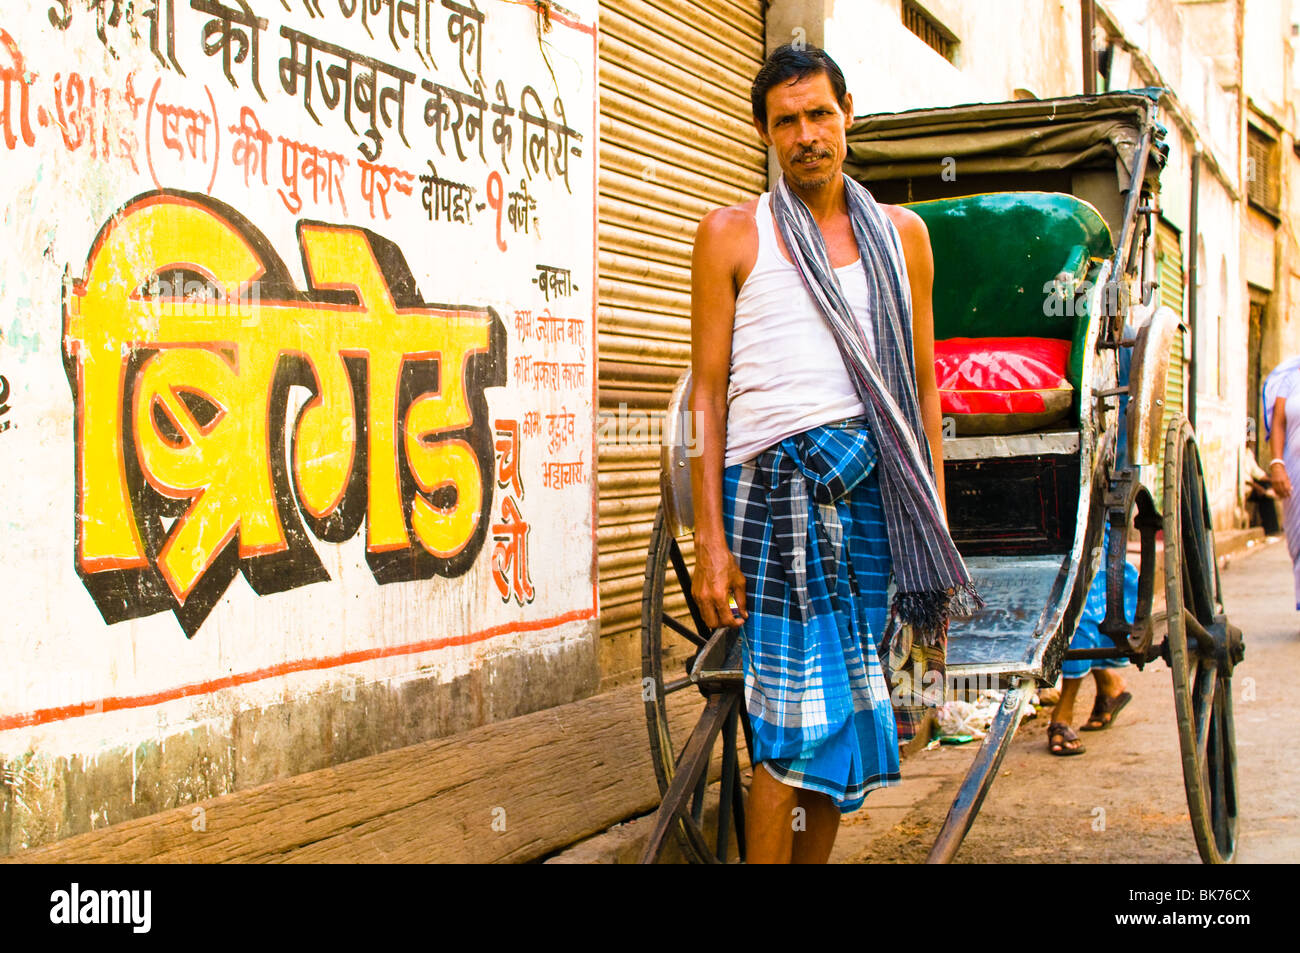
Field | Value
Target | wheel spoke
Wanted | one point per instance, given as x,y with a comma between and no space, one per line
695,836
1197,635
1229,739
738,805
1195,532
684,631
1218,788
1191,602
697,799
1203,705
677,684
684,582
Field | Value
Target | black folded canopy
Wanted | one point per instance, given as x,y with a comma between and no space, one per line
1024,136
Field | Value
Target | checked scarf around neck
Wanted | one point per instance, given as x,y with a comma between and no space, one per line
933,583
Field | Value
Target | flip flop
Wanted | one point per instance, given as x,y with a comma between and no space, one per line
1067,737
1106,706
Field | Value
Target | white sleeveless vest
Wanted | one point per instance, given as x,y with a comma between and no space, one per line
787,375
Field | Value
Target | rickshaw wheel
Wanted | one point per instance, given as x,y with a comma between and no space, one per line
1201,649
670,641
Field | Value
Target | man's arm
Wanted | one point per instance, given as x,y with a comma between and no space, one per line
713,310
920,277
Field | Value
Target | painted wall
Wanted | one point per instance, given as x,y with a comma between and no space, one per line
1197,60
1221,355
296,306
1268,69
1270,82
1004,45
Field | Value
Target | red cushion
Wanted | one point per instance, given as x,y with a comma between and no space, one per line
1003,385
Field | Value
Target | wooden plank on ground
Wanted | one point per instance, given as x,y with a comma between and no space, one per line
546,779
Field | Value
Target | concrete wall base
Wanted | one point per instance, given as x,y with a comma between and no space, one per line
44,799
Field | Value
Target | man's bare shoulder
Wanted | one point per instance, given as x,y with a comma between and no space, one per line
913,234
726,241
911,227
729,222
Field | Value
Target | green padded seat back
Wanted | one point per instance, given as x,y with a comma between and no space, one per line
993,255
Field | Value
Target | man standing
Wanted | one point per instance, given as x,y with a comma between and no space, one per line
818,415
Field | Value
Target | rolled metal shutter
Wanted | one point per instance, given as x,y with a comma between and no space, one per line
676,140
1169,265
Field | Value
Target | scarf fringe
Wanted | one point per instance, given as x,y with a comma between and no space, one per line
927,612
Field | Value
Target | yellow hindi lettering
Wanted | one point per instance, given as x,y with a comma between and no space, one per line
324,448
445,531
343,259
177,371
106,321
222,467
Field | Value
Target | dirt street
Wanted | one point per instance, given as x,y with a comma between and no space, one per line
1122,801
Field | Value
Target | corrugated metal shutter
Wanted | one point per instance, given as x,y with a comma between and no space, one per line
1169,265
676,140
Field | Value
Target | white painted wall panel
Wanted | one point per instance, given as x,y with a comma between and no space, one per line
396,206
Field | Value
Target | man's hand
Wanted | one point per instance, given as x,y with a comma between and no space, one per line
717,585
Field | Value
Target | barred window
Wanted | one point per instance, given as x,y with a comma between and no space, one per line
935,34
1262,180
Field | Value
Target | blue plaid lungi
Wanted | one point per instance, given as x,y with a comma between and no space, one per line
807,526
1087,634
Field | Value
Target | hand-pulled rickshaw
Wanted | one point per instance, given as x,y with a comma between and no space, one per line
1042,217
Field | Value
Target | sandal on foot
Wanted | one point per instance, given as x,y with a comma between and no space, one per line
1105,710
1068,737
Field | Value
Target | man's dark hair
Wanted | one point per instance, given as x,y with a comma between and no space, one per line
792,63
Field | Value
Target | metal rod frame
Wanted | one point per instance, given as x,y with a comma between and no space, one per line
979,777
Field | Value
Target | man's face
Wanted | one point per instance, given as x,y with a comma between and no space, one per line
807,127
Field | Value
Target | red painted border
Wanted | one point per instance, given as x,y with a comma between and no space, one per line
595,319
557,17
44,716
